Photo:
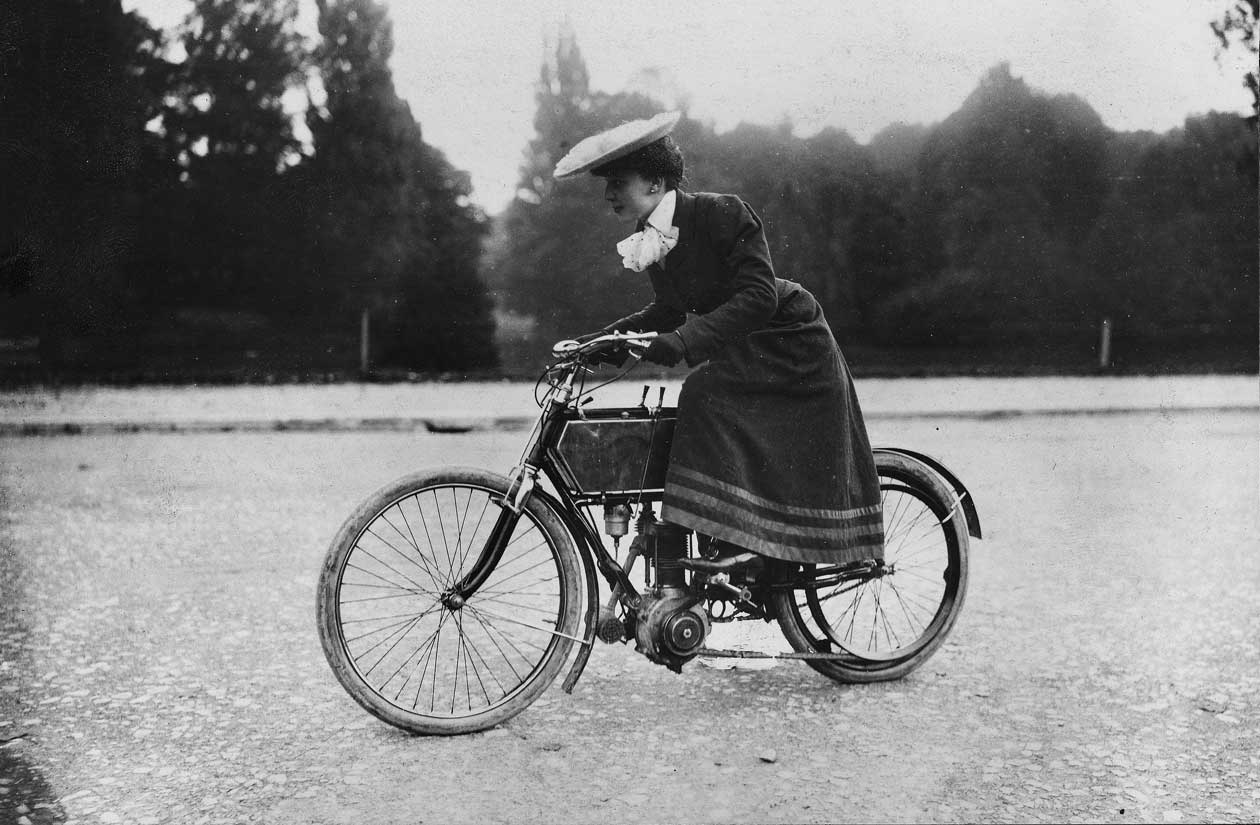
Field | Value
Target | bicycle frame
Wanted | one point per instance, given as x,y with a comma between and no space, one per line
562,404
569,499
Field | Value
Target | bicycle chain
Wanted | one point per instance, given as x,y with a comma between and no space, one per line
712,653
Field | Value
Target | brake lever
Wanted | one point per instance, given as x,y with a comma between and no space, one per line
636,347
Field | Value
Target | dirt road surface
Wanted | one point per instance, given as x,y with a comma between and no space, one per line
159,661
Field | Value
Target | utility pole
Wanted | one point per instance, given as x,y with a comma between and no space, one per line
365,363
1104,345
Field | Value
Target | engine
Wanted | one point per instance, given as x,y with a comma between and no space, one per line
670,622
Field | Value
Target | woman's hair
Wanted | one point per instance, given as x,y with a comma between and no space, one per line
659,159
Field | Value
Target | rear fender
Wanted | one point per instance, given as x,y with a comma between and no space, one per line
960,490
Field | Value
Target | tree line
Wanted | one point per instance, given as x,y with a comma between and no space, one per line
1019,220
158,188
160,195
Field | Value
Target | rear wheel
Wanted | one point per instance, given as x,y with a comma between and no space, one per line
412,655
885,625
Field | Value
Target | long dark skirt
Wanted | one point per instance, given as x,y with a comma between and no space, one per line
771,452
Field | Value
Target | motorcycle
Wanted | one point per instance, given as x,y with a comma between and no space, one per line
450,599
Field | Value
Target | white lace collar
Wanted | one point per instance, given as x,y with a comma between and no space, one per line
655,240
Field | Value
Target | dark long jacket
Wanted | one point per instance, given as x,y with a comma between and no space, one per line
719,272
771,452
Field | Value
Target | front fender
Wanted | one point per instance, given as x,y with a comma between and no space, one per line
960,490
578,533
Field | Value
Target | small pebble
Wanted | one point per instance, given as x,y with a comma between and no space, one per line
768,756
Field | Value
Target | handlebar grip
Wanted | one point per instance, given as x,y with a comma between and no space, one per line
632,343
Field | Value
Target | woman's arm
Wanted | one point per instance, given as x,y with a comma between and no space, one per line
658,316
736,236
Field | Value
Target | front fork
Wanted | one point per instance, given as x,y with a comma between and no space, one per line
520,488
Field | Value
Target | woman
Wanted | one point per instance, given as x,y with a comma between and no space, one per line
770,453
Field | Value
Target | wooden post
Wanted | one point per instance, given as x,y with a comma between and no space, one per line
365,362
1104,345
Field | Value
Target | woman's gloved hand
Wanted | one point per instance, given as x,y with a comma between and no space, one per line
666,349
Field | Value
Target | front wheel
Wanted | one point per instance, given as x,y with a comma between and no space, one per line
885,626
407,651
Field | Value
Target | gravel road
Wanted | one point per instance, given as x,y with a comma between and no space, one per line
159,662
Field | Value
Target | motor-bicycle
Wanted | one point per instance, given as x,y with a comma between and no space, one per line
450,599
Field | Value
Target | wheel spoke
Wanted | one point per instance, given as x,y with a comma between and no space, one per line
474,652
459,532
507,659
424,523
444,667
446,547
509,620
420,559
403,630
884,621
500,581
420,587
907,608
503,602
420,652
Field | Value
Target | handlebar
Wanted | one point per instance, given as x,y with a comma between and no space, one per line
633,342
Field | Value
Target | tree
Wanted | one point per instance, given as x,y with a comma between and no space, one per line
78,81
1237,28
1011,184
394,232
558,266
227,127
1176,243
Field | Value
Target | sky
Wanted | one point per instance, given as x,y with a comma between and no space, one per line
468,67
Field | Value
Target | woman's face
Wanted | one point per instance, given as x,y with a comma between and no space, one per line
632,196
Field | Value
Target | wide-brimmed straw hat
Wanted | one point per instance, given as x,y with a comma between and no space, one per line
614,143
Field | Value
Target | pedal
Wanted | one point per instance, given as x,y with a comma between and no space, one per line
721,583
610,628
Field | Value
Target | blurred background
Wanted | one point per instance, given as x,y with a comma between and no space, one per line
238,191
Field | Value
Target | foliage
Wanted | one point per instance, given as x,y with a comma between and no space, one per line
231,139
162,179
1238,26
1020,219
393,230
556,266
78,81
1010,186
1175,248
152,178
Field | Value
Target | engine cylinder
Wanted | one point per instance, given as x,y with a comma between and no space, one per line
670,549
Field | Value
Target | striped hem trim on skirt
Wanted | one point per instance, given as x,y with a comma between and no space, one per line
699,481
732,514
